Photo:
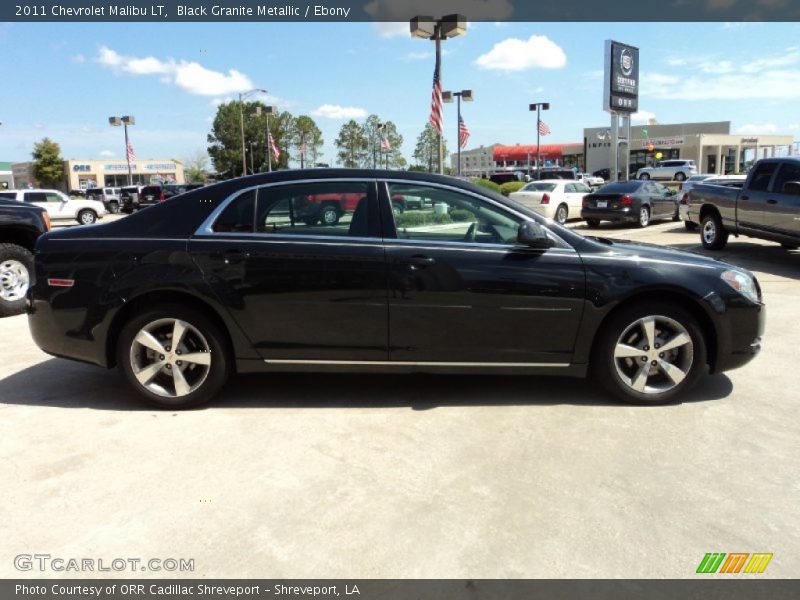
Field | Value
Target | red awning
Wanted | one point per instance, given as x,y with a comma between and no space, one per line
549,151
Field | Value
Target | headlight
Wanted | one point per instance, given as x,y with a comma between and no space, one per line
742,283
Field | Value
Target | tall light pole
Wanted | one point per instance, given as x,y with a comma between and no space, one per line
242,96
466,95
538,107
124,121
428,28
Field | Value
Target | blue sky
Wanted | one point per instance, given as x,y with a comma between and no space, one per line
64,80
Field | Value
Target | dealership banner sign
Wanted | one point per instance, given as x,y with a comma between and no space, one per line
621,78
663,142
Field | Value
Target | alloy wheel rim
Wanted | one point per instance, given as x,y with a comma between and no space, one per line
561,215
709,231
170,358
87,218
14,280
653,355
644,216
329,216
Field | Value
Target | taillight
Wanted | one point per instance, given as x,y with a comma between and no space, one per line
161,197
685,198
586,201
626,200
47,225
546,199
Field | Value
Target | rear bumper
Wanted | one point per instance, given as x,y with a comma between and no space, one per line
626,215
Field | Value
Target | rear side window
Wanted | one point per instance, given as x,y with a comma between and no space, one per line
8,195
35,197
789,172
239,216
762,176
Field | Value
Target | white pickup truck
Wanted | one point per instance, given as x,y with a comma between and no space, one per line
59,206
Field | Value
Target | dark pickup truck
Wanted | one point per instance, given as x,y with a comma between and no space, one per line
767,207
20,226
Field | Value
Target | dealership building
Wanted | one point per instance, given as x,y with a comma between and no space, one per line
711,145
80,174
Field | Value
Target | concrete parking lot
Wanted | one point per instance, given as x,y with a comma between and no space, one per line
411,476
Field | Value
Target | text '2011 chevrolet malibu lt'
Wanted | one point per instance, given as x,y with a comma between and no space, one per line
380,271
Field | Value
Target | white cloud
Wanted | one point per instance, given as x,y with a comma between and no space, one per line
513,54
418,55
390,29
191,77
108,153
79,58
757,128
642,116
794,126
334,111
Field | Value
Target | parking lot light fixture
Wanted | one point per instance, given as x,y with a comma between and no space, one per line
242,96
428,28
125,121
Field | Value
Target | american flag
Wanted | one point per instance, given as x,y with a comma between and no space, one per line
463,133
436,100
385,144
276,154
131,153
543,128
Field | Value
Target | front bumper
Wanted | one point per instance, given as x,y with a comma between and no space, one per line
740,330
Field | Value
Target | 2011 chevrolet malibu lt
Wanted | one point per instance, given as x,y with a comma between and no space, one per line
231,278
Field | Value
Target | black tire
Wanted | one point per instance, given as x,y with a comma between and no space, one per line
113,208
397,209
644,217
680,176
86,217
562,214
789,246
644,176
677,216
16,269
310,221
690,225
604,366
712,234
220,360
329,214
592,223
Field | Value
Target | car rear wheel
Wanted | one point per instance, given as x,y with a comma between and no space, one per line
644,176
87,217
173,356
593,222
680,177
113,208
713,235
16,266
651,354
644,217
562,213
690,225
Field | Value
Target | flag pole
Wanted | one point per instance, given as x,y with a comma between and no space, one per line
269,148
438,38
538,138
128,154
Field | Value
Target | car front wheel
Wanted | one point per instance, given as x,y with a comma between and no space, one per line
87,217
173,356
680,177
644,176
16,266
651,354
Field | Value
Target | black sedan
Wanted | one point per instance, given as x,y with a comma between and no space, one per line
637,201
229,278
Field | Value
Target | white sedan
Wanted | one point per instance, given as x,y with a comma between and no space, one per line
557,199
59,206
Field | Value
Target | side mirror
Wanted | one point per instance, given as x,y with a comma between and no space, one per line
791,187
534,235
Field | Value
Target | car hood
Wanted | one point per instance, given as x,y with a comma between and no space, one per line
605,247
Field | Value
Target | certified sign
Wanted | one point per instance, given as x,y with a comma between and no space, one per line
621,78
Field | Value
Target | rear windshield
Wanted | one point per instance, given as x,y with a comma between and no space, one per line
8,195
539,187
620,187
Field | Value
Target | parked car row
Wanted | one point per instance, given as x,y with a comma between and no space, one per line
636,201
58,205
134,197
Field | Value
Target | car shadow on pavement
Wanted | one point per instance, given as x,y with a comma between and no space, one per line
63,384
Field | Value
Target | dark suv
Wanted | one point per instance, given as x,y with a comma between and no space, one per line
152,194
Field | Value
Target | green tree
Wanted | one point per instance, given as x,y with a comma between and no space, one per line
195,167
395,153
374,132
225,139
48,166
352,145
306,131
426,151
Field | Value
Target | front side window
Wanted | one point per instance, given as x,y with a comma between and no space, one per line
450,216
331,208
53,198
762,176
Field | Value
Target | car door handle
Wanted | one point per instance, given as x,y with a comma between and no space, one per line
772,201
417,261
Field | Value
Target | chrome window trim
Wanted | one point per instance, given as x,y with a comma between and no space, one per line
386,181
207,226
403,363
